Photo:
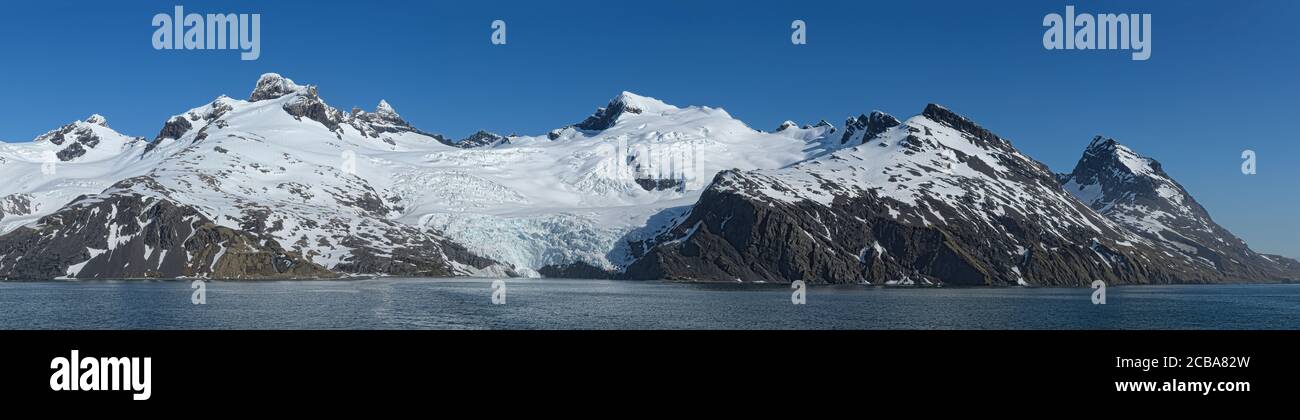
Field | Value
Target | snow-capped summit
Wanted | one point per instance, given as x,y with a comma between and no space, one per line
641,104
386,110
82,157
272,85
785,125
97,119
80,138
624,103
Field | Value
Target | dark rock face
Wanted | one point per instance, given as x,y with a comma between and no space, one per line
941,114
132,235
174,128
865,128
731,236
56,136
71,152
422,256
76,138
576,270
179,125
1136,192
655,184
480,139
311,107
16,205
87,138
605,118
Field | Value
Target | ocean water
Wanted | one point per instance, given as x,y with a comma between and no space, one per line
394,303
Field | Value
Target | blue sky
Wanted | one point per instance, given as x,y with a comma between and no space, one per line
1223,76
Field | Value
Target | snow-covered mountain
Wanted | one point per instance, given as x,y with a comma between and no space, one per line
283,185
366,193
1136,192
282,181
933,199
83,157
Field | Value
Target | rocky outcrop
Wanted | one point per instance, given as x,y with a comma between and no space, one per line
606,117
174,128
480,139
272,86
865,128
135,231
311,107
16,205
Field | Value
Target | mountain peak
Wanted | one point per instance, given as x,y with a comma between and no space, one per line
628,102
1135,191
273,85
640,103
943,115
624,103
1101,143
1109,150
97,119
786,125
386,110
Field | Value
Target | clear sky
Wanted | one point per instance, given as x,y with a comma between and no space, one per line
1223,76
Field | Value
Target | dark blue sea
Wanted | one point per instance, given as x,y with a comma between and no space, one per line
394,303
